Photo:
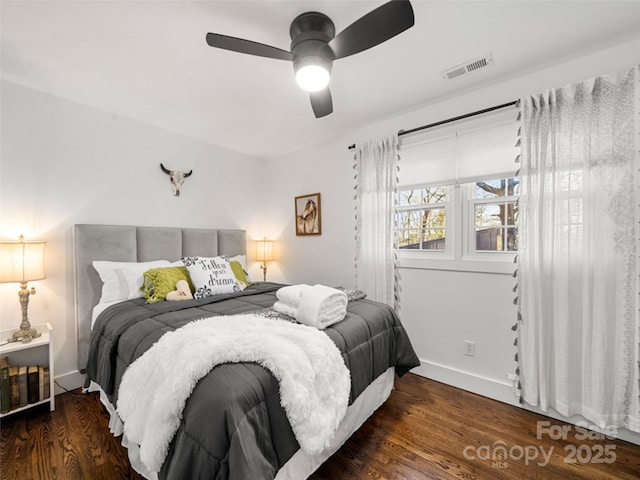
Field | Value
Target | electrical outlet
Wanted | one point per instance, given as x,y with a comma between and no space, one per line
470,348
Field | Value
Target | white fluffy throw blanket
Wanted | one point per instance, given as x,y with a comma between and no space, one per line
314,382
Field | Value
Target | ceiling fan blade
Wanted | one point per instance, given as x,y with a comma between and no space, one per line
321,103
247,46
375,27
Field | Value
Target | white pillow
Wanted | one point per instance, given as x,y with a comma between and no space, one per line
211,276
122,280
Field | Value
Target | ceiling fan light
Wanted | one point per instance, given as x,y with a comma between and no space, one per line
312,78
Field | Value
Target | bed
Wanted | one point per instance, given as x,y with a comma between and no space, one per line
233,425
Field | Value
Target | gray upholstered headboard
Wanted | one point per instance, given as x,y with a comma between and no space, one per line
136,244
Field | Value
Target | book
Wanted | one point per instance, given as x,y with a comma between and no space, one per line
14,388
33,384
47,384
40,383
22,379
5,400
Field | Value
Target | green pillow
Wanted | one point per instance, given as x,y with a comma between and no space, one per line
239,272
160,281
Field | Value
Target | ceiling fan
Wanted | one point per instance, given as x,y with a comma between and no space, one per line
315,45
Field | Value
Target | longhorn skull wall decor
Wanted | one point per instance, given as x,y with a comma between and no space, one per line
177,178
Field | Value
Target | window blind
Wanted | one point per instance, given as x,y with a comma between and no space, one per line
465,151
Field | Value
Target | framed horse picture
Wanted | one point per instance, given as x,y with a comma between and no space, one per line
308,215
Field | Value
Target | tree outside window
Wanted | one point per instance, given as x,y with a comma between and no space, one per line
421,218
495,210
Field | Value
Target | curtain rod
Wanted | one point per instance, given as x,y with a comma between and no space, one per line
449,120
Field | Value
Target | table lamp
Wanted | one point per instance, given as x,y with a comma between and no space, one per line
264,254
22,262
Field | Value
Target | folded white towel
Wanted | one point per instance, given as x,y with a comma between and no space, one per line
285,308
291,294
321,306
318,306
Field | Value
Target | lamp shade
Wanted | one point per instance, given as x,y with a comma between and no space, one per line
264,252
21,261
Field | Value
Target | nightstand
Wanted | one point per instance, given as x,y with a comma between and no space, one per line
38,351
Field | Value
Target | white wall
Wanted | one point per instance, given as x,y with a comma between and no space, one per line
326,258
62,163
440,309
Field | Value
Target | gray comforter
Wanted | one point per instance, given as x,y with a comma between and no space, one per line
233,426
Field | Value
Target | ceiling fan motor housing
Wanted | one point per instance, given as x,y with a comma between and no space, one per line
314,45
310,34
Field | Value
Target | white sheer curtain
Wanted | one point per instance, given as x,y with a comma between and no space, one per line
376,165
578,253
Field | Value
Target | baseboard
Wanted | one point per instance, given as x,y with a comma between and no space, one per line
471,382
69,381
501,391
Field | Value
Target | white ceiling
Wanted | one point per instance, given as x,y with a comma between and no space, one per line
148,60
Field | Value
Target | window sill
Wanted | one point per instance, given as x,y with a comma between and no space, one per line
428,261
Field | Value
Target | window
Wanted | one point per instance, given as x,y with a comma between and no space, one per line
457,195
493,212
424,217
421,218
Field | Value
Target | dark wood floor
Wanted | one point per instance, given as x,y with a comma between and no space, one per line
425,431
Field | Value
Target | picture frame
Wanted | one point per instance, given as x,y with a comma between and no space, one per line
308,218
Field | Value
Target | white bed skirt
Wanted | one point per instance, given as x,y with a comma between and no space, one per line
301,465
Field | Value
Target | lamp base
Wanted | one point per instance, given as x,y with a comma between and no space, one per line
24,336
264,271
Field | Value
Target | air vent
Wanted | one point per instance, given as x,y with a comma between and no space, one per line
468,67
